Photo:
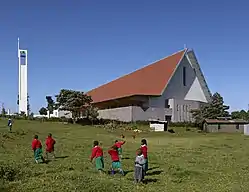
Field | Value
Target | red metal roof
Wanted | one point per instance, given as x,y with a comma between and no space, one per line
149,80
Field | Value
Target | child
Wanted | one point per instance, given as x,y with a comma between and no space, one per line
144,150
97,153
139,164
116,164
37,148
10,124
119,144
50,142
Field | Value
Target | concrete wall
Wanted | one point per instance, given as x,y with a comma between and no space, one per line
23,84
138,114
224,128
134,113
181,110
120,113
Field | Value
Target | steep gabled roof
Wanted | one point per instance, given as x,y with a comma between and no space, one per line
149,80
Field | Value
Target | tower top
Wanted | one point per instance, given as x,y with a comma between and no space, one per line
18,44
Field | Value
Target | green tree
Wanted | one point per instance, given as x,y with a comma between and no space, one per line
50,105
74,101
240,115
43,111
3,112
212,110
91,113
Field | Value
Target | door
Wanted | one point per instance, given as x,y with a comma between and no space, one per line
168,118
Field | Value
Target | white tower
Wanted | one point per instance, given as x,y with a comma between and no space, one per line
23,80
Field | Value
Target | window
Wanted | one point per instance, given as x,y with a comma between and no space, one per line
177,107
237,126
166,105
184,76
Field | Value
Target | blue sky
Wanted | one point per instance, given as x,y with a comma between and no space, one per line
83,44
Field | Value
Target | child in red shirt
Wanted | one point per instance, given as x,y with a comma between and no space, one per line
144,150
50,142
116,164
119,144
37,148
97,153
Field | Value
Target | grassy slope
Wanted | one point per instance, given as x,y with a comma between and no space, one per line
186,161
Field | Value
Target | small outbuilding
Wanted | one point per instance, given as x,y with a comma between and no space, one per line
158,125
224,126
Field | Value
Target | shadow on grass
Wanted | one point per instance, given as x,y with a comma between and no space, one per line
62,157
154,173
146,181
126,158
46,161
126,172
153,168
116,172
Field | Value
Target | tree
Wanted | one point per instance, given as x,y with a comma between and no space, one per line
91,113
3,112
50,106
74,101
240,115
43,111
212,110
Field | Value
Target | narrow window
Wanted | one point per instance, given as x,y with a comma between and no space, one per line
177,107
166,105
184,76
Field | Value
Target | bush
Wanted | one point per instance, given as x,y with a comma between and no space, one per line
8,172
182,124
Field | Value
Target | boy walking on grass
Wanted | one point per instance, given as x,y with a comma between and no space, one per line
139,167
97,153
10,124
119,144
50,142
116,164
144,150
37,148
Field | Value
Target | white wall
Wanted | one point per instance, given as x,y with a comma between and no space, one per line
134,113
181,110
138,114
60,113
120,113
23,89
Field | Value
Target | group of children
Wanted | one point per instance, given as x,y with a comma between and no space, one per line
141,161
37,148
115,152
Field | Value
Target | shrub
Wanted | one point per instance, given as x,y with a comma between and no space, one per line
8,172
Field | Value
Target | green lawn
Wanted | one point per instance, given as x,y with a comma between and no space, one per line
184,161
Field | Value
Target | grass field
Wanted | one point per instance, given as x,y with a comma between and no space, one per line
184,161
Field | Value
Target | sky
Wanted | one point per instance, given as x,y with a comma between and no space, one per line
82,44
